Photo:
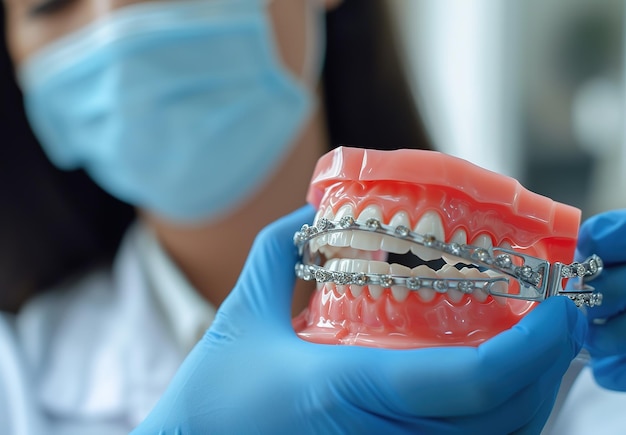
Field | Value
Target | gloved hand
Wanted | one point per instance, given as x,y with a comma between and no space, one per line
605,235
252,374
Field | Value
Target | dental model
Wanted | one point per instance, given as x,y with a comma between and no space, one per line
416,248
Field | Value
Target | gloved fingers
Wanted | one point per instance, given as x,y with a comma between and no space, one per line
538,421
548,338
612,284
264,290
605,235
607,339
454,381
610,372
359,421
524,413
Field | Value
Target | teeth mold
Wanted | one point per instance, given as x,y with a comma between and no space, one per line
377,287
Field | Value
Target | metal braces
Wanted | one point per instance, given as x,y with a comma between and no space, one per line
538,279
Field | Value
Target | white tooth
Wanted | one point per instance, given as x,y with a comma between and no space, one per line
319,285
314,245
327,288
499,300
370,212
332,264
319,242
454,295
506,245
449,271
460,237
360,266
429,223
424,253
400,218
337,252
375,291
378,267
399,269
500,287
473,273
483,241
397,246
356,290
344,210
332,288
341,238
392,244
345,265
450,259
426,294
423,271
400,293
493,274
366,241
357,266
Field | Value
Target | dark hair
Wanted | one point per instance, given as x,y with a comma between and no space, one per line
368,100
54,224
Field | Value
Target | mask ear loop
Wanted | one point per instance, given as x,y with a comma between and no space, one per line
315,41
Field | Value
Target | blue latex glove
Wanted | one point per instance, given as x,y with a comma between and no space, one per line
605,235
252,374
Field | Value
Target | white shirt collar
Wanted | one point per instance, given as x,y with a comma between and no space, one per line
186,312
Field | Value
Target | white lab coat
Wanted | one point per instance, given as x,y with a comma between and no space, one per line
90,358
94,357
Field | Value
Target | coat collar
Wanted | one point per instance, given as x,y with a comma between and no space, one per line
188,315
99,347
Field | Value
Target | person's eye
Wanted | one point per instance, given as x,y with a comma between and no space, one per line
46,7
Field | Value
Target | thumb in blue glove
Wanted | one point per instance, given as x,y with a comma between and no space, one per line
252,374
605,235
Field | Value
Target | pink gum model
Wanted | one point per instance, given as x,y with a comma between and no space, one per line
432,193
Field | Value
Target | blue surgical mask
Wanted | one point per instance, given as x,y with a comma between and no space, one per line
179,107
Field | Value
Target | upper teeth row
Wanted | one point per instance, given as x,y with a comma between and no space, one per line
429,223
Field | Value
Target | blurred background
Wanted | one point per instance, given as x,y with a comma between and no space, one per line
531,89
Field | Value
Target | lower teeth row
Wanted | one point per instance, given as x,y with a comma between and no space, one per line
310,272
